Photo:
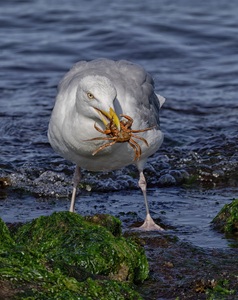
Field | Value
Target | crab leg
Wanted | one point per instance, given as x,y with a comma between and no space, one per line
136,148
140,138
103,147
106,131
142,130
102,139
130,121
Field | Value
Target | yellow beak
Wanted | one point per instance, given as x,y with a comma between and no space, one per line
110,116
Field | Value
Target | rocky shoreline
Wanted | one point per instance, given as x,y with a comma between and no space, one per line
43,258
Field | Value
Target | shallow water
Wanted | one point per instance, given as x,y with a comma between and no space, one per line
184,213
191,51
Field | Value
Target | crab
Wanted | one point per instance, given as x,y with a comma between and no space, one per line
119,131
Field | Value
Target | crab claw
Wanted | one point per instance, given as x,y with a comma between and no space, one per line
110,116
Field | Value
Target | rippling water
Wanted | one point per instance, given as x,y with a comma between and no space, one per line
191,51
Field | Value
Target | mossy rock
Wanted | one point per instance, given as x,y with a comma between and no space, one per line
111,223
66,237
227,219
63,256
6,240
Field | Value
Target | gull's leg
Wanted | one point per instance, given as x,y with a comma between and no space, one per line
149,223
76,180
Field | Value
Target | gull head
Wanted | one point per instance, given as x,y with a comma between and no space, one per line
95,99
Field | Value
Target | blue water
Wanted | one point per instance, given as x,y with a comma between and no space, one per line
189,47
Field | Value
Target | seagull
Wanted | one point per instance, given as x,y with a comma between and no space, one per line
86,121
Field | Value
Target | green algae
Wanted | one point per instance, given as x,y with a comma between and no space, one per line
6,240
68,237
219,290
87,290
112,224
226,220
63,256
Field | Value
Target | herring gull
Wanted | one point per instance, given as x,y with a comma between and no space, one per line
106,116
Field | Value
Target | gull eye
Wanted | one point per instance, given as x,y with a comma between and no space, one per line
90,95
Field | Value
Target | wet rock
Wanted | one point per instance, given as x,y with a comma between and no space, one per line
227,219
4,182
178,270
63,256
179,175
166,180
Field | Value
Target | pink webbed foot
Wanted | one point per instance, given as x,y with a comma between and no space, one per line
150,225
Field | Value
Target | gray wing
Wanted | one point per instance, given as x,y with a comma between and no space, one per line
141,86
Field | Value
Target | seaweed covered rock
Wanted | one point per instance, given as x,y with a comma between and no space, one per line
66,237
111,223
227,219
6,240
63,256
